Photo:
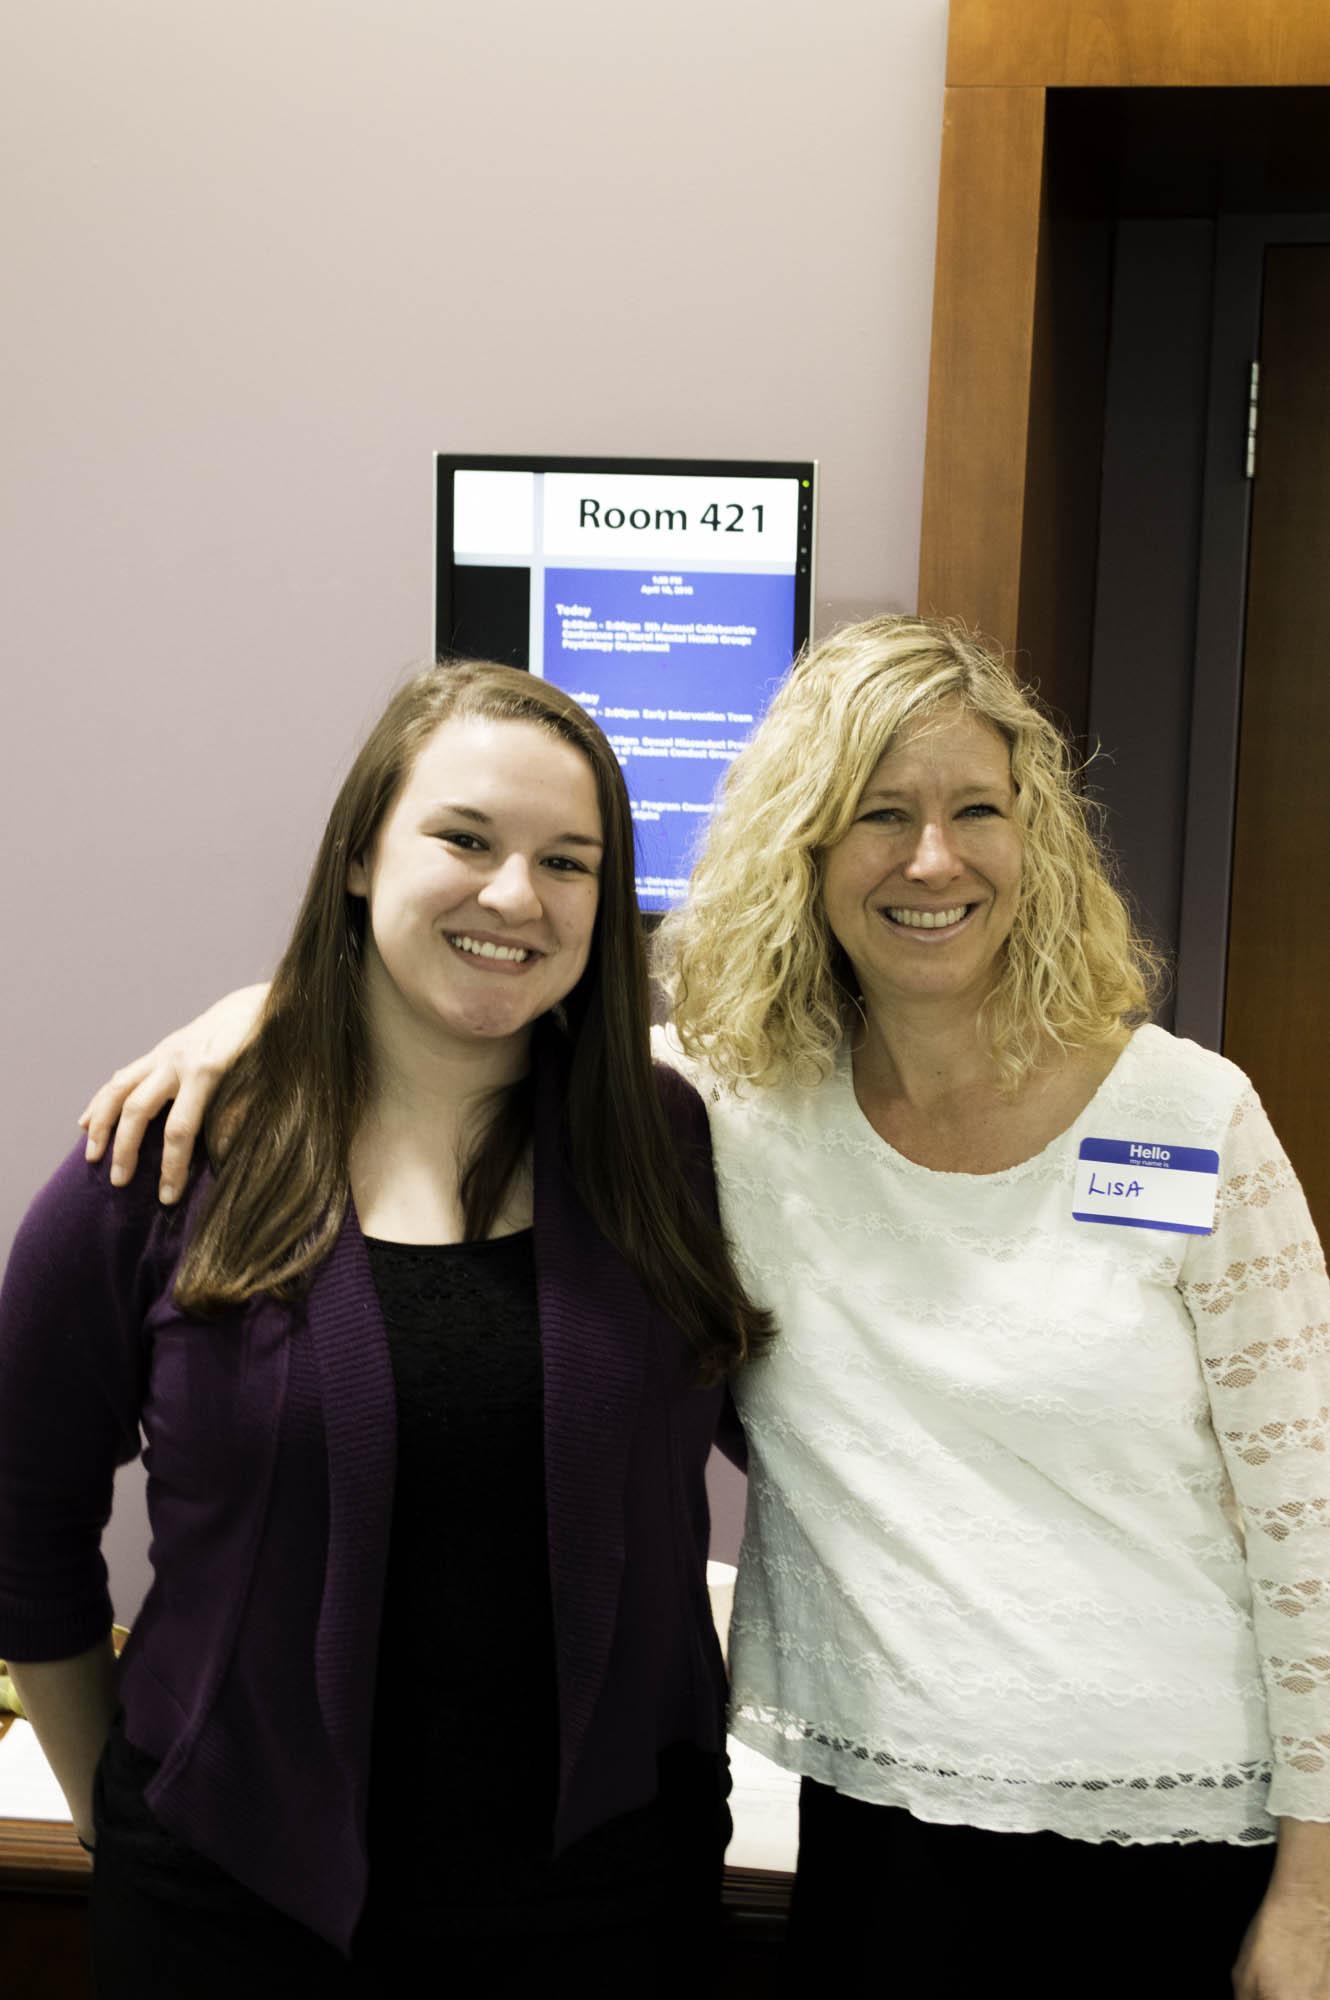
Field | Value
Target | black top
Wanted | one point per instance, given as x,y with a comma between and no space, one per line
464,1766
463,1784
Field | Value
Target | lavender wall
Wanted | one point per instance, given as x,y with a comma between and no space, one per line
261,261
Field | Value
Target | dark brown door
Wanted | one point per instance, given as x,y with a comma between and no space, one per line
1277,1015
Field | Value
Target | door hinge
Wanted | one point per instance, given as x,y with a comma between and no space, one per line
1253,416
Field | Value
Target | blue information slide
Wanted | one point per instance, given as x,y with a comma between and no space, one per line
672,666
665,604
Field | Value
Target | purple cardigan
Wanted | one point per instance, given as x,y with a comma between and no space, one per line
270,1441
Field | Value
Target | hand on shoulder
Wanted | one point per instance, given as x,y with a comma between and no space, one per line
182,1071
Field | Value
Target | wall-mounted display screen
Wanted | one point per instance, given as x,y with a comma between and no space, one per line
668,596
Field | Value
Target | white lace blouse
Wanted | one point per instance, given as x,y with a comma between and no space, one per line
1038,1526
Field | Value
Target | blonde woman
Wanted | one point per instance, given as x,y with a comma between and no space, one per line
1035,1590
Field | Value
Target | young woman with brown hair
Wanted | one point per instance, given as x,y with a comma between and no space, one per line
428,1359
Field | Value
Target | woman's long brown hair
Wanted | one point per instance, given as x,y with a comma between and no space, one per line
279,1130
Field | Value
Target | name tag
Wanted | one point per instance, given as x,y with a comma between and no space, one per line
1141,1185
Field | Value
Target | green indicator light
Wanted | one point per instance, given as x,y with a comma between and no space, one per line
805,482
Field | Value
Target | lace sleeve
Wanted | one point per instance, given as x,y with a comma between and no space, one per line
1256,1289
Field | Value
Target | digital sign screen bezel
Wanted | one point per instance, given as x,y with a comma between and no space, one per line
447,463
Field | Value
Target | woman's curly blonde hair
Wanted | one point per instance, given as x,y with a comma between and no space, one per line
759,988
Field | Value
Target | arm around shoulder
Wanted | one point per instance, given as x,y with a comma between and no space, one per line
183,1071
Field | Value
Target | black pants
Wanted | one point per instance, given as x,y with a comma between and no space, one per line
959,1910
166,1924
145,1947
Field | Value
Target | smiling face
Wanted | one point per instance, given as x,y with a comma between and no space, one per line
482,886
921,892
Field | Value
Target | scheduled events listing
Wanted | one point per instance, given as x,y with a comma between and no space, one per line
676,666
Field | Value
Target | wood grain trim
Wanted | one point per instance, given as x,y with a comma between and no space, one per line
979,381
1106,44
42,1854
757,1892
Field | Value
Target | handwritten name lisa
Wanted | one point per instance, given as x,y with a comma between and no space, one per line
1125,1190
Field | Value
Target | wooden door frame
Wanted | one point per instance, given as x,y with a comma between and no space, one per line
1003,58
